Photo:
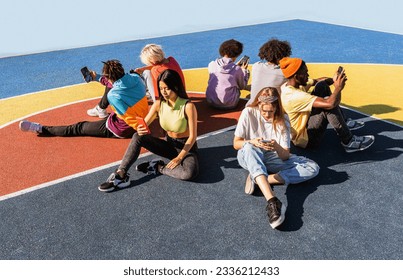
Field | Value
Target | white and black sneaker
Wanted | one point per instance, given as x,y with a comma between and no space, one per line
359,143
275,211
114,182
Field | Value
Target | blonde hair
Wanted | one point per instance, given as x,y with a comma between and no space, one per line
278,118
152,54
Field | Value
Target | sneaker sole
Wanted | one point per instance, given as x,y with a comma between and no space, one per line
357,127
361,149
281,219
97,115
121,186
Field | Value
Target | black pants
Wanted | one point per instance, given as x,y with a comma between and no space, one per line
320,118
95,129
168,148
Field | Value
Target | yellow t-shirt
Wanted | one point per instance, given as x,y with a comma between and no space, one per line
297,103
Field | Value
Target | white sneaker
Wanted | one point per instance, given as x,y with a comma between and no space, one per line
27,126
97,112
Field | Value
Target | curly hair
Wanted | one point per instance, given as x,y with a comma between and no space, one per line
274,50
231,48
113,70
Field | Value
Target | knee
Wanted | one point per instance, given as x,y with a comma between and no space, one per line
139,139
322,89
312,167
191,170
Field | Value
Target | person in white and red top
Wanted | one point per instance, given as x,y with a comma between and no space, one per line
154,58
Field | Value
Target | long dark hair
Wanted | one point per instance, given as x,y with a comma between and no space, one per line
174,82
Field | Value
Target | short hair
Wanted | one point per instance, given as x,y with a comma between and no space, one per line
231,48
152,53
274,50
113,70
174,82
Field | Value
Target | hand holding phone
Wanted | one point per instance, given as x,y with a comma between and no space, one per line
243,60
339,71
142,122
86,74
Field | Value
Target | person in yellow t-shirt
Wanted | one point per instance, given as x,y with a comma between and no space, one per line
310,113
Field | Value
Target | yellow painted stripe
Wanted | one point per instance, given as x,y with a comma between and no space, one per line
20,106
372,89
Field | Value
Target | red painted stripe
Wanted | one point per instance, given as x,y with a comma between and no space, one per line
28,160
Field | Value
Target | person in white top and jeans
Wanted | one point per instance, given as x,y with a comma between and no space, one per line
262,138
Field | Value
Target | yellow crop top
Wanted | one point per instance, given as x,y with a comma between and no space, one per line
173,118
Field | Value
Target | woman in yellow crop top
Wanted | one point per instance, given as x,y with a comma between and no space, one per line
178,117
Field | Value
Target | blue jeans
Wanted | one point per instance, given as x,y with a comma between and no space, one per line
294,170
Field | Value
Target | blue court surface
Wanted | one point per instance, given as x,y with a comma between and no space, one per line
351,210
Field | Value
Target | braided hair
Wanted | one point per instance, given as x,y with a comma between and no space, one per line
113,70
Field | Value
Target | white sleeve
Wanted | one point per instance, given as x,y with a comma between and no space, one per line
243,125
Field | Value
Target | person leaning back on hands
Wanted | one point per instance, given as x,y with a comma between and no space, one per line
311,112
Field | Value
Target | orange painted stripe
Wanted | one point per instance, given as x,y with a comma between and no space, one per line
29,160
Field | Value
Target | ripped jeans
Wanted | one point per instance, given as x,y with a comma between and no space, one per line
294,170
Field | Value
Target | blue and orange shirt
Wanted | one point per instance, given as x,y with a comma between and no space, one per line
128,101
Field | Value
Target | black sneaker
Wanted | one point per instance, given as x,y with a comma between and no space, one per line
115,181
150,167
275,211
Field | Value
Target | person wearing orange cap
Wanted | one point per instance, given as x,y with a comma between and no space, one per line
310,113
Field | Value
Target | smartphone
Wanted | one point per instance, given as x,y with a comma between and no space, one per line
86,74
243,60
339,70
143,123
264,141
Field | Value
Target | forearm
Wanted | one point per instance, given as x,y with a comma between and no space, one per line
186,148
282,153
239,143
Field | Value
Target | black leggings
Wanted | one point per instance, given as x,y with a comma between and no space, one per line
168,148
320,118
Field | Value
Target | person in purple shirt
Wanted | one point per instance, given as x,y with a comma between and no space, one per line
227,78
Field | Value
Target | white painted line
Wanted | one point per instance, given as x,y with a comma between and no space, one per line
93,170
